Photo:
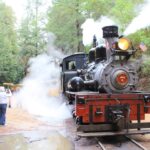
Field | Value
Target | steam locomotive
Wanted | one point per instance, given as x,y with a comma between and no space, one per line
102,86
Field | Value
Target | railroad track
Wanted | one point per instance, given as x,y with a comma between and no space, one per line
119,143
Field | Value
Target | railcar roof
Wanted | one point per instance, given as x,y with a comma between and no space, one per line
76,54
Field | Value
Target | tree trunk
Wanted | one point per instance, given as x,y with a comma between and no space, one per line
80,46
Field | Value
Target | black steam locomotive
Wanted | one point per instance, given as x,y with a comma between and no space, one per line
102,85
108,70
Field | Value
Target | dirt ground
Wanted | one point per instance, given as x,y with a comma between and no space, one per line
18,120
24,131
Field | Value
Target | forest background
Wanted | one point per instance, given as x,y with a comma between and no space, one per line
64,18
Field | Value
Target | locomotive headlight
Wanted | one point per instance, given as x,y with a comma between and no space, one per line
124,44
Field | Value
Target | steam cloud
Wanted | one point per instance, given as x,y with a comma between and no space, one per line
40,94
91,28
141,21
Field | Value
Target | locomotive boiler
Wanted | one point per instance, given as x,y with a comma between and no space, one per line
102,87
109,69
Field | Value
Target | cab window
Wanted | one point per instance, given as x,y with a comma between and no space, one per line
71,65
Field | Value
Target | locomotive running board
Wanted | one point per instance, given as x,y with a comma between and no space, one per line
102,134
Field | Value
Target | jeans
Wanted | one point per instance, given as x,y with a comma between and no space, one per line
3,108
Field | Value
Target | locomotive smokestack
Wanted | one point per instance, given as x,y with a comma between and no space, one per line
110,33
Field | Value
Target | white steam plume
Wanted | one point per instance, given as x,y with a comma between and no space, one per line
141,21
40,94
91,28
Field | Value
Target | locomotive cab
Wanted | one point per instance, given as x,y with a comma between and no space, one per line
70,65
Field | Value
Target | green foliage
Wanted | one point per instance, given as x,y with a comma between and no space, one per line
10,71
145,68
65,20
66,17
96,8
123,12
32,39
142,36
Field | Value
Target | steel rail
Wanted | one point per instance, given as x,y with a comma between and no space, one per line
100,144
136,143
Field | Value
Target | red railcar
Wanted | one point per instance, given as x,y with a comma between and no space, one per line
108,114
